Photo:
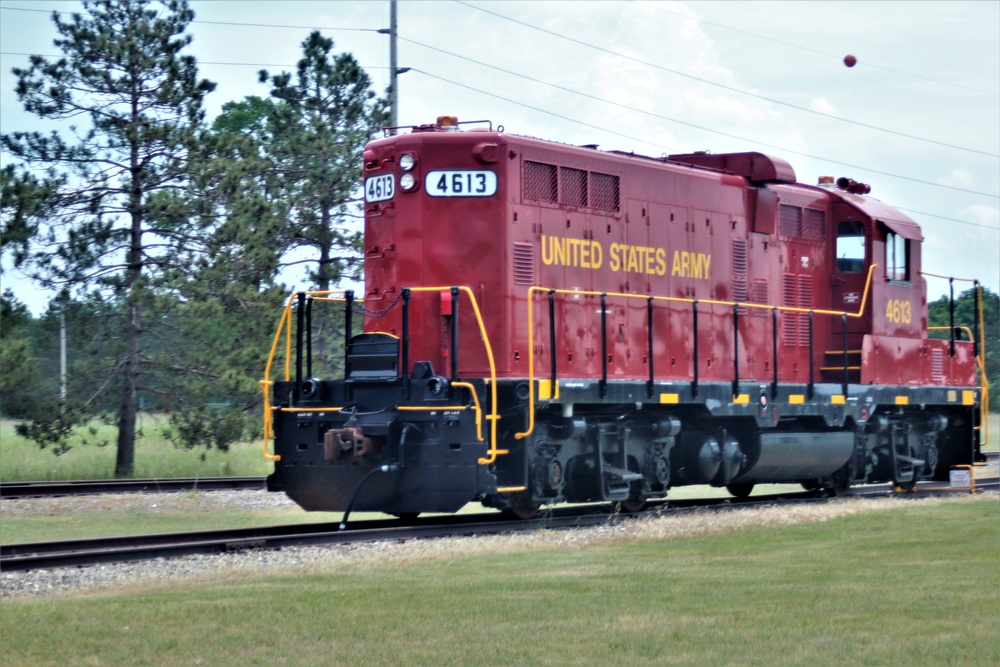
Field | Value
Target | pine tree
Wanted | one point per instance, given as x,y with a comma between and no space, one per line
325,116
110,223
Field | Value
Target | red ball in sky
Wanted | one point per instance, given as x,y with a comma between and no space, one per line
850,60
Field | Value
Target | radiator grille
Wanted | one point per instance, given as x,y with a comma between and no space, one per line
790,221
604,192
814,225
572,186
540,181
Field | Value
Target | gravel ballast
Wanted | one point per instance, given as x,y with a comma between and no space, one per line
666,525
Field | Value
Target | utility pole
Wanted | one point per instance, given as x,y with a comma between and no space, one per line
394,112
393,69
62,353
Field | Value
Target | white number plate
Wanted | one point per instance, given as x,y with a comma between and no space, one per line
460,183
380,188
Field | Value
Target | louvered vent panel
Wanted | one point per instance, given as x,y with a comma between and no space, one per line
740,288
604,192
805,301
937,366
540,181
790,221
761,294
572,186
524,264
814,225
789,321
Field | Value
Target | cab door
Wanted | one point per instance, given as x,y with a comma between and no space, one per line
848,280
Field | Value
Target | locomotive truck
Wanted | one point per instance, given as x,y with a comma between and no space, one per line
545,323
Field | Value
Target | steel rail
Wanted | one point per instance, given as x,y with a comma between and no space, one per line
150,485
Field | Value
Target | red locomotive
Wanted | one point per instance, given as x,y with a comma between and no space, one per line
550,323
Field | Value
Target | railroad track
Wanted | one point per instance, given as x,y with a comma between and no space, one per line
96,551
96,486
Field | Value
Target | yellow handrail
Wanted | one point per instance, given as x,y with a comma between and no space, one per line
266,383
984,385
479,410
493,417
531,329
285,326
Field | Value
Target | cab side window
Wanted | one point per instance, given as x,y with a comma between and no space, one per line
897,257
850,247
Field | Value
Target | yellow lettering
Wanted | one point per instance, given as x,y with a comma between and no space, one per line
546,249
631,264
615,263
661,262
560,252
675,269
596,255
686,264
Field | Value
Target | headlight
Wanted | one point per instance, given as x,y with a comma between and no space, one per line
406,162
406,181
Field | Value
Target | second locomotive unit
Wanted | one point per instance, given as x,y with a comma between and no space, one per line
547,323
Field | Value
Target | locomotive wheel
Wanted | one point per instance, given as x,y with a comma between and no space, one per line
810,484
632,505
406,516
740,490
522,512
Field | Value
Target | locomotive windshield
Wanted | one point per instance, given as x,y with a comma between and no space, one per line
850,247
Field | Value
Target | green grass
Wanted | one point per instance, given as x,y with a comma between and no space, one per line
23,460
56,527
913,584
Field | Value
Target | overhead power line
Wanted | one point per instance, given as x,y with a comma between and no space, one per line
646,140
800,47
724,86
675,120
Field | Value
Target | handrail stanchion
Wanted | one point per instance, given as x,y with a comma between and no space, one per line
649,334
774,353
309,338
552,340
951,312
405,370
694,323
812,362
300,324
454,333
736,349
843,320
348,325
604,346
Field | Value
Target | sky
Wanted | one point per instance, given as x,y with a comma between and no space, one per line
917,118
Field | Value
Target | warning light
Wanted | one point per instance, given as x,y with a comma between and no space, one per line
449,123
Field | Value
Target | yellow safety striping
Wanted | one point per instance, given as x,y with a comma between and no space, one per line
839,399
545,389
741,399
968,397
796,399
670,398
902,400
